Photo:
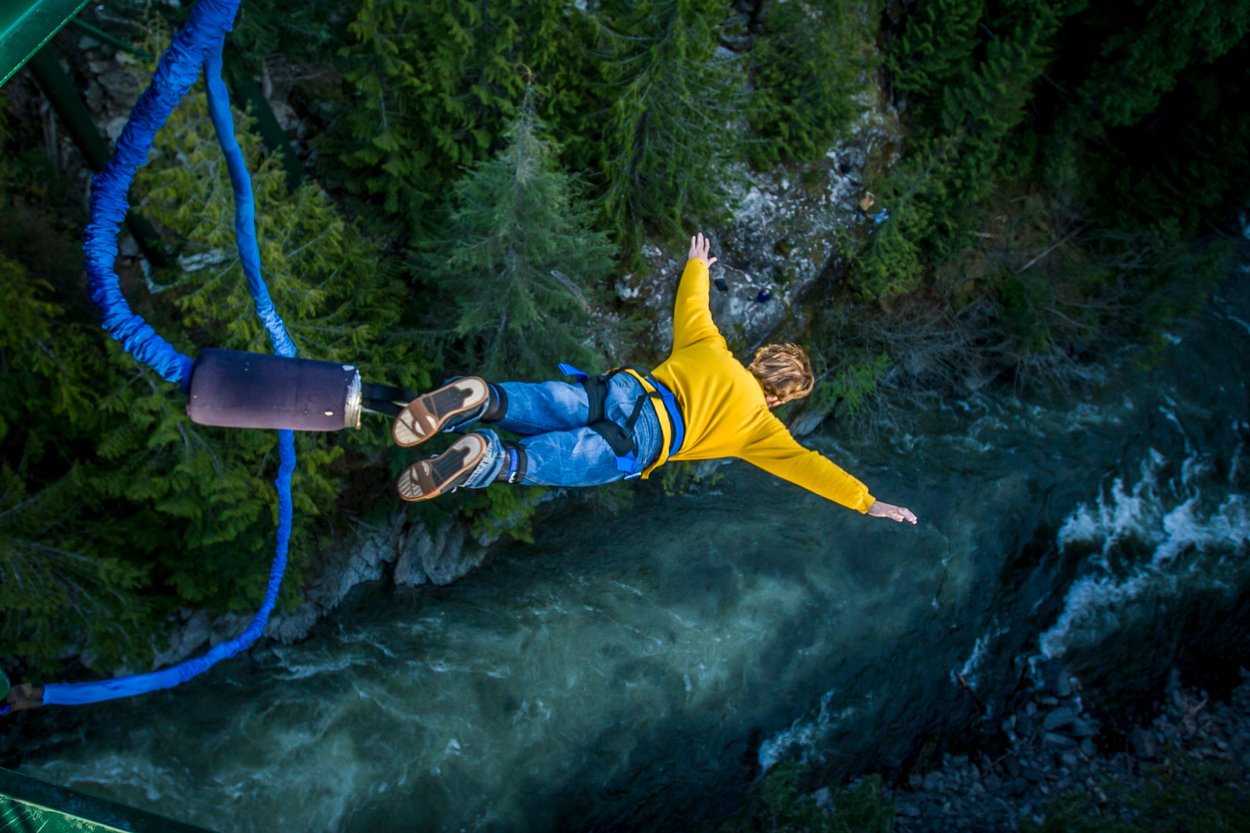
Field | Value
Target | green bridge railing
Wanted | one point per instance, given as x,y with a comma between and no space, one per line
29,805
26,25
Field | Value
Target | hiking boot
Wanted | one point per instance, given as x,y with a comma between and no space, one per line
426,415
448,471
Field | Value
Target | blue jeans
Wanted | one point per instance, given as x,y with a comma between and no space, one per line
560,449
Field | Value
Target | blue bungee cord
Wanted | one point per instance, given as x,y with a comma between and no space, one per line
198,45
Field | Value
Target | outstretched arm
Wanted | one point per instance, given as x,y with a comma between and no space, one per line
692,319
881,509
777,452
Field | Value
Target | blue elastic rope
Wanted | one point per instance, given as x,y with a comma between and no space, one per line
178,69
199,42
244,204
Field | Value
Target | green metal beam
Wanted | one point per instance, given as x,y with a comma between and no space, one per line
30,804
271,133
104,37
14,17
26,25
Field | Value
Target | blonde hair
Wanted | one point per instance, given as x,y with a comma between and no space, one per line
783,371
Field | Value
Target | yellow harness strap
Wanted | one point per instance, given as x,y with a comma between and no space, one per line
666,419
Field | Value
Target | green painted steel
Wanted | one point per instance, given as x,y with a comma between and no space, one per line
29,804
26,25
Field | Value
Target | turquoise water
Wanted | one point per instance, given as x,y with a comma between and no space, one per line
640,670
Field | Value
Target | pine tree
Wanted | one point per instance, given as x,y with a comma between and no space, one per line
935,50
1144,46
668,136
56,587
805,70
436,82
521,262
991,102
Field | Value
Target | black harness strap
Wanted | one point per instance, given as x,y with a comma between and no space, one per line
596,395
384,399
496,404
619,439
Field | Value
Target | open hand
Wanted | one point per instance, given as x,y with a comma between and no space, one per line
699,248
881,509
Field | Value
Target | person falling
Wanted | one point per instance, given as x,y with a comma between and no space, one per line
700,404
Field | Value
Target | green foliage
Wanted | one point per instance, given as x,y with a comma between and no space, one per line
666,141
893,259
339,299
56,587
521,265
893,252
679,478
303,31
1180,794
1142,49
971,78
806,69
993,101
60,584
935,51
1192,163
502,510
853,387
1065,105
434,83
779,805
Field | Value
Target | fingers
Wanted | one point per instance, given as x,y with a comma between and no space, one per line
898,514
700,246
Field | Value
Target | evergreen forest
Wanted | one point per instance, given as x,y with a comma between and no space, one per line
462,185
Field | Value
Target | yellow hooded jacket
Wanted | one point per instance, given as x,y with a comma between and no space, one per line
723,405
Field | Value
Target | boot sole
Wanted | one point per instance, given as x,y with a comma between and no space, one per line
430,478
426,415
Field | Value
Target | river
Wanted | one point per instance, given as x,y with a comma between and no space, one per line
639,670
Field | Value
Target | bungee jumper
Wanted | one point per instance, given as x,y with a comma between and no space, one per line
701,403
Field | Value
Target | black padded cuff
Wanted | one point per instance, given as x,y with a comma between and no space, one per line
497,407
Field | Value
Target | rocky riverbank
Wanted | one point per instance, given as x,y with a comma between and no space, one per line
1059,760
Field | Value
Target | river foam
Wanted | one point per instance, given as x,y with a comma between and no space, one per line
1168,539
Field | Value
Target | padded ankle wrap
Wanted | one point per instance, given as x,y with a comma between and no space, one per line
497,407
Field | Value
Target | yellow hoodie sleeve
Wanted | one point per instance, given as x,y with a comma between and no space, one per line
778,453
692,317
